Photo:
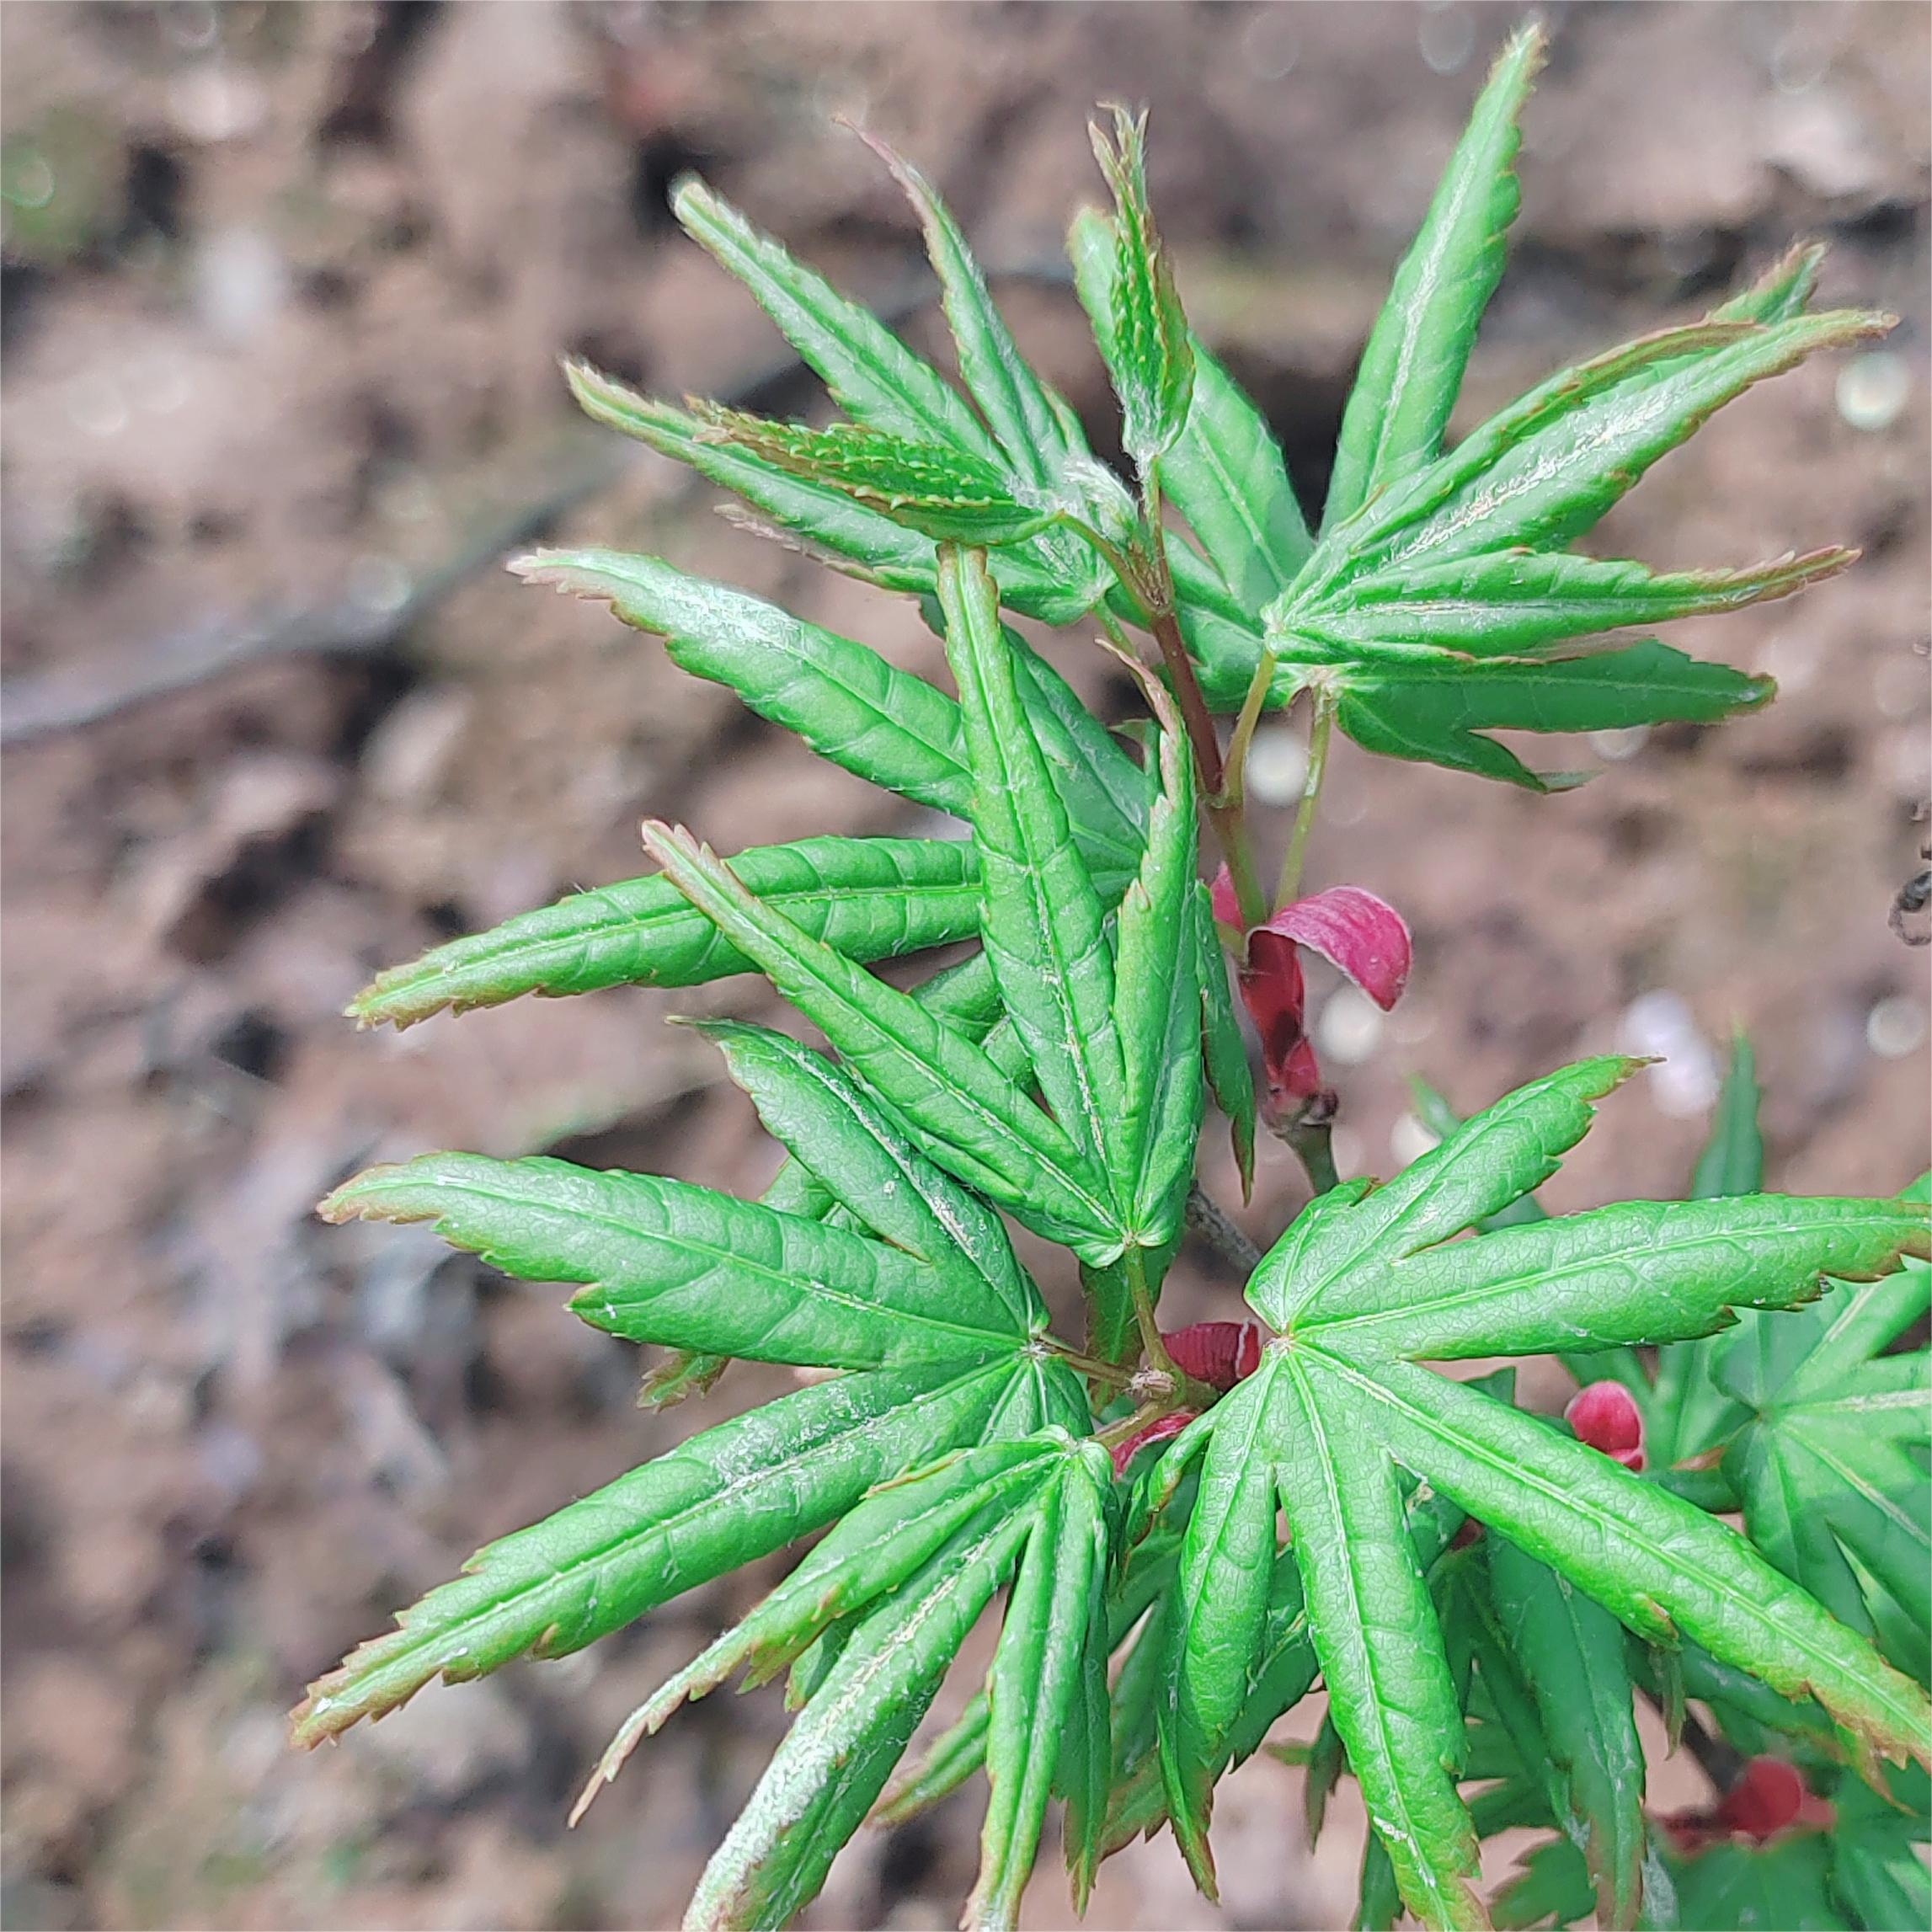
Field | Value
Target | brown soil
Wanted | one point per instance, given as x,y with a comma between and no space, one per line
280,366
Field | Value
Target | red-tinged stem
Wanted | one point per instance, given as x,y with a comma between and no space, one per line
1224,817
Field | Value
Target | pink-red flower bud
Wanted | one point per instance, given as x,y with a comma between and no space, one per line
1770,1800
1159,1430
1220,1354
1606,1417
1355,931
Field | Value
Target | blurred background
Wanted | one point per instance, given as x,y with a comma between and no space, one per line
285,289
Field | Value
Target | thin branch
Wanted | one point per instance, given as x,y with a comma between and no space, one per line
1209,1220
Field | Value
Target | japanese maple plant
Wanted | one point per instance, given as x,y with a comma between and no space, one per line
1189,1535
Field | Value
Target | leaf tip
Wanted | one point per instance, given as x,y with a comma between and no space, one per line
348,1202
689,196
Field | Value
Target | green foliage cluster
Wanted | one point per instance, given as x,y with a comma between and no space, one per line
1480,1595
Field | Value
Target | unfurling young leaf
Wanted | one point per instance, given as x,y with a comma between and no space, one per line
1193,1528
1224,472
1151,354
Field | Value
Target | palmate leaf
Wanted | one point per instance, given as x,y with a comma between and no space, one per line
1138,1590
974,1121
914,1565
664,1262
1044,923
840,1750
883,386
1414,607
1036,438
872,376
1544,470
1443,717
726,1497
1519,601
1465,535
883,724
1246,1600
836,1129
1116,1053
1686,1414
1158,1011
1055,576
1036,432
760,1481
1360,1288
1574,1657
842,698
1831,1458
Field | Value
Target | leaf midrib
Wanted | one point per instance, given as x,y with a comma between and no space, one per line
1908,1723
1474,1297
885,1259
718,1496
1413,1838
1046,931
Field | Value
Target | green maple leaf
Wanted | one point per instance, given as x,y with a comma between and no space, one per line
1443,601
1362,1290
1830,1459
903,1579
694,1269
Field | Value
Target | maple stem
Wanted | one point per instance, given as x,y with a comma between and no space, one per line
1313,1144
1235,781
1110,1372
1321,729
1129,1426
1135,1261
